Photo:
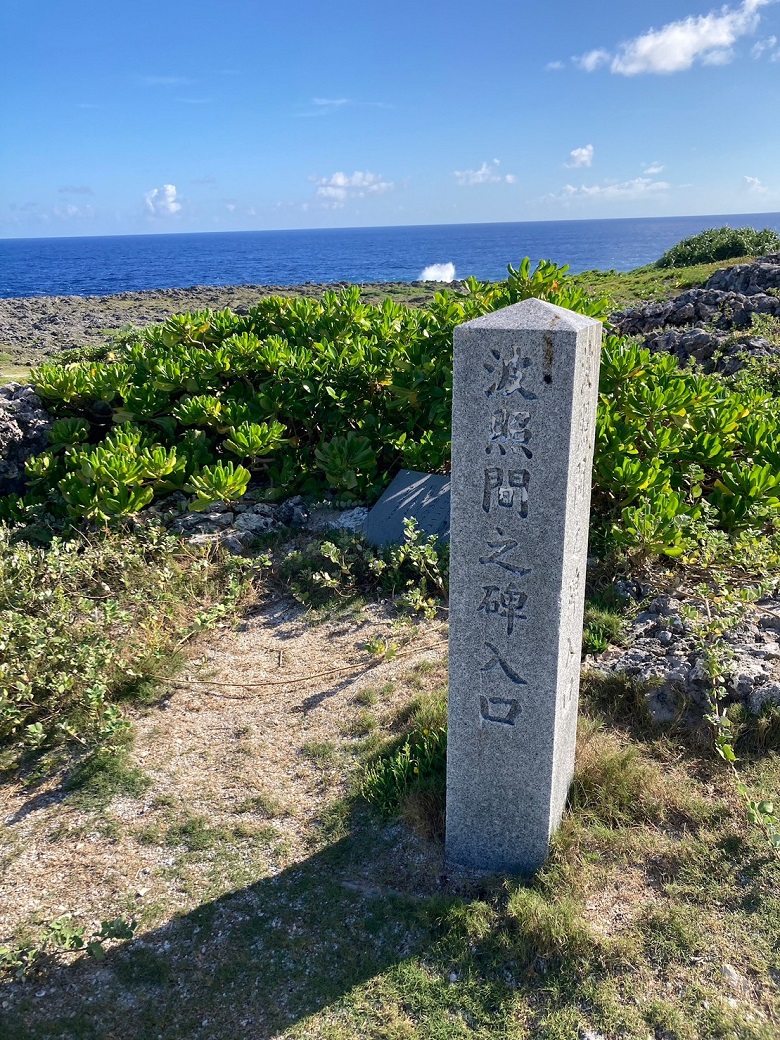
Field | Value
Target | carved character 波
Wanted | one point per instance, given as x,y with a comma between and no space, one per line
509,374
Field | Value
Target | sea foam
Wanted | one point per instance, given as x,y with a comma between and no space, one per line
438,273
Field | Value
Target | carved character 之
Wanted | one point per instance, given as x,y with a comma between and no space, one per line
502,547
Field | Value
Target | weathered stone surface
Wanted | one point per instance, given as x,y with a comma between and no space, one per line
664,649
524,407
24,429
425,497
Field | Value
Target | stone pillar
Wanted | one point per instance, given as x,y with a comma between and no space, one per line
523,423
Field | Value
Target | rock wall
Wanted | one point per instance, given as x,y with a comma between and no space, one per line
24,429
712,325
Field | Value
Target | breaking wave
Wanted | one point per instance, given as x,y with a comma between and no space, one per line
438,273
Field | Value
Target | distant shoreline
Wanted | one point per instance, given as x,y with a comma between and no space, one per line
33,328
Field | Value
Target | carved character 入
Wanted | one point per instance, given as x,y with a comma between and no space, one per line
497,661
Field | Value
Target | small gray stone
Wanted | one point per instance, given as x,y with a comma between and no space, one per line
759,696
423,497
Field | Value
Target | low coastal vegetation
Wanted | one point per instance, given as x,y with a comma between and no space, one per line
657,913
720,244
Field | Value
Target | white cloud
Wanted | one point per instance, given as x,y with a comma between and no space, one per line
71,212
676,46
762,47
340,187
755,185
163,201
653,169
332,102
637,188
486,174
554,66
581,157
592,60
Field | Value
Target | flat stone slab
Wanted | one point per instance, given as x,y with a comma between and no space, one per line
422,496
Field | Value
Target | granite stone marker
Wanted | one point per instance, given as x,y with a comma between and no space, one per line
523,426
424,497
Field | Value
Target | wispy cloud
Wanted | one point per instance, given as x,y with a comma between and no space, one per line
194,101
755,185
708,39
637,188
768,47
486,174
75,189
653,169
581,157
204,180
323,106
162,202
338,189
592,60
72,211
555,66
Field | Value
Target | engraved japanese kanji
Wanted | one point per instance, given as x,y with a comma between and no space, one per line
509,432
504,603
509,489
509,374
503,710
500,548
497,661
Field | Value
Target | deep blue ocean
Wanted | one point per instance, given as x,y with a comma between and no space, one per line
95,266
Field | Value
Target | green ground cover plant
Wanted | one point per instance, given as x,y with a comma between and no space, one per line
84,621
722,243
315,396
333,396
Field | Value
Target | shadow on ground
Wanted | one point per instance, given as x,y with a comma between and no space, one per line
249,964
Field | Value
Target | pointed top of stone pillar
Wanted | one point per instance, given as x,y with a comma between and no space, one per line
533,314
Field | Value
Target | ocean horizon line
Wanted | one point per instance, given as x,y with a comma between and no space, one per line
392,227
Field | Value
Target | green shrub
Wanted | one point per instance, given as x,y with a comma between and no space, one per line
81,621
332,397
317,396
720,244
409,775
678,451
320,570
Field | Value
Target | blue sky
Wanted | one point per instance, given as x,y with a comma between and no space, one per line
141,117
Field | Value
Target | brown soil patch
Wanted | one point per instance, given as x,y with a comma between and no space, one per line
246,752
